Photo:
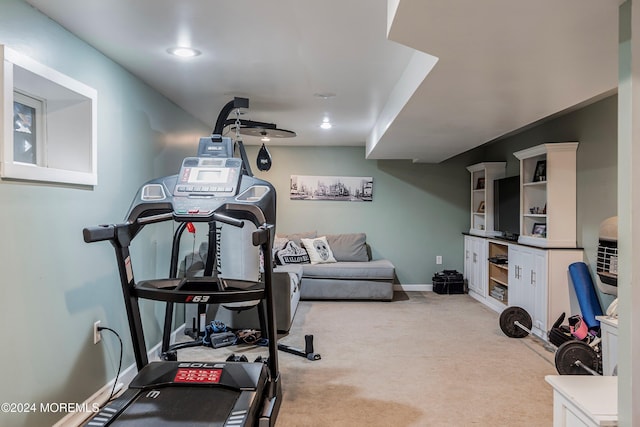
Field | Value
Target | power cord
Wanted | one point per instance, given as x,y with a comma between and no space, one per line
115,382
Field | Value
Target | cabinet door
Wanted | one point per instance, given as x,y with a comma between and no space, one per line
481,250
474,263
528,284
468,257
538,279
517,293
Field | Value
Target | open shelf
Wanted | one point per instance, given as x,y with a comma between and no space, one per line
499,272
548,195
482,177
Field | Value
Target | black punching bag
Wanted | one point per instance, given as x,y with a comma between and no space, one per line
264,159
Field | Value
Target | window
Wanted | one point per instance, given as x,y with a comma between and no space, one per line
48,127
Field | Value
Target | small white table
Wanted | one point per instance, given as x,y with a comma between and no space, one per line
584,400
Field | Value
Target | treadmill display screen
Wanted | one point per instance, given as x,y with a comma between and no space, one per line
209,175
202,177
198,376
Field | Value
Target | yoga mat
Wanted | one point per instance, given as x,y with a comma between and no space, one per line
586,293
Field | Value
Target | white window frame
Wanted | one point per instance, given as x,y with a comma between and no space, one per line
65,122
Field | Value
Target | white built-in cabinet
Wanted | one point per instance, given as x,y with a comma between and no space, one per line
535,276
527,279
535,279
482,177
539,282
475,265
548,195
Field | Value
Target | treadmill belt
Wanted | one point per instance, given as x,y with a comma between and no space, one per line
179,406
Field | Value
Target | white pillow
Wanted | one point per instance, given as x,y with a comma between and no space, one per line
318,250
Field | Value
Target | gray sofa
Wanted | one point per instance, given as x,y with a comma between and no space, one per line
353,274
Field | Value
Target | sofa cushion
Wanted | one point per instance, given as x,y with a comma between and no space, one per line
295,269
349,247
381,269
279,243
319,250
332,289
297,236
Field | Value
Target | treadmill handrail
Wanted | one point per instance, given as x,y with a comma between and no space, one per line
99,233
228,220
104,232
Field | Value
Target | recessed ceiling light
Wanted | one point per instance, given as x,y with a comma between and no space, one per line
184,52
326,124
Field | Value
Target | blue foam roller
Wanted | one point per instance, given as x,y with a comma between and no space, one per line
586,293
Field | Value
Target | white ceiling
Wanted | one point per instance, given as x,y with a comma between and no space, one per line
499,64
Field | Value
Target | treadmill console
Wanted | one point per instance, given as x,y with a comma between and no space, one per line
200,176
212,180
205,183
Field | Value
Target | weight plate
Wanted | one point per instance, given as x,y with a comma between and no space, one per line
570,352
508,319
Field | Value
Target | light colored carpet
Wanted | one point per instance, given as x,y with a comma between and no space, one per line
422,360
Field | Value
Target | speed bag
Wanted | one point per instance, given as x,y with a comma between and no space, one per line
264,159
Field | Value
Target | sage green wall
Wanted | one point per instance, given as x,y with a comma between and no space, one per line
418,210
595,128
54,286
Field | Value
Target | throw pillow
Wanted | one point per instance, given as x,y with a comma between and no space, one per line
318,250
349,247
292,254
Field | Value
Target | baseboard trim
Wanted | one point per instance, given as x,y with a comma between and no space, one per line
99,398
413,287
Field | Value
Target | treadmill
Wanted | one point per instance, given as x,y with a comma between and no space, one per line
210,187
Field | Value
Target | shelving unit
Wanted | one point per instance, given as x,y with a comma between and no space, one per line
482,177
535,274
548,195
498,288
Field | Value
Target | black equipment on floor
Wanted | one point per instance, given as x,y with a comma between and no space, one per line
210,187
448,282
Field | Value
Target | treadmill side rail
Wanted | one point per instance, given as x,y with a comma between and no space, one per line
271,406
110,412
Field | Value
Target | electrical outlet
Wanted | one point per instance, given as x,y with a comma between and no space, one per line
439,259
96,333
